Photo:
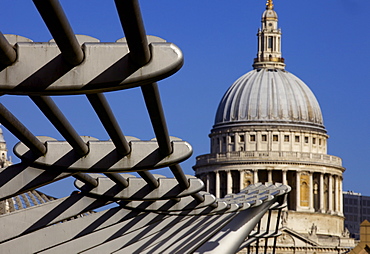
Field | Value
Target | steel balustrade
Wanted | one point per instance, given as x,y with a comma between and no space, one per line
156,214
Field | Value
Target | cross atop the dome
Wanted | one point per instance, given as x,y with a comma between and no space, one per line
269,5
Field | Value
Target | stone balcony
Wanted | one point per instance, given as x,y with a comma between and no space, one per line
268,156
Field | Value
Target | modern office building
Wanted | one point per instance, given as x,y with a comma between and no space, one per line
269,128
356,210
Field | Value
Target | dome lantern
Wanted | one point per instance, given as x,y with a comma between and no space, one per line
269,41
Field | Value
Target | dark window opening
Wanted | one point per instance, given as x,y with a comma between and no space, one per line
264,137
253,138
269,42
275,138
241,137
286,138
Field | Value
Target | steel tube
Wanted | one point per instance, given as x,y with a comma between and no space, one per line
118,179
149,178
20,131
26,137
87,179
156,114
133,27
276,230
106,116
56,117
55,19
198,197
267,230
8,55
180,176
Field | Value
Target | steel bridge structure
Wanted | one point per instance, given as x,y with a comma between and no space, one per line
154,214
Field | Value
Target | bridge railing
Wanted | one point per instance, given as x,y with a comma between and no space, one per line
155,214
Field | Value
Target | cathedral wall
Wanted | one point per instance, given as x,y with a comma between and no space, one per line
251,139
309,224
315,223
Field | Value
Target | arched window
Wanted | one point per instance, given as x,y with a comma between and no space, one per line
305,195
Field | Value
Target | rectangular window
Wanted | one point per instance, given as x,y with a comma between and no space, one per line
241,137
264,137
224,139
320,142
232,139
306,140
275,138
286,138
296,138
252,138
314,141
269,42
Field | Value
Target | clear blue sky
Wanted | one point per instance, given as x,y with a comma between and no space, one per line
325,43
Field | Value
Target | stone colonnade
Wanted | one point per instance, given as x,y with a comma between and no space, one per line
311,191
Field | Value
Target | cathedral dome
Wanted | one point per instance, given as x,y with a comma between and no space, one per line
269,97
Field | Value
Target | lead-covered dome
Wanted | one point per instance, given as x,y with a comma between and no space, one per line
269,97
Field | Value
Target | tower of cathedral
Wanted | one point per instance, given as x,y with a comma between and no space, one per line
269,128
4,159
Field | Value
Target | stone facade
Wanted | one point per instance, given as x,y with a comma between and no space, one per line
269,128
4,159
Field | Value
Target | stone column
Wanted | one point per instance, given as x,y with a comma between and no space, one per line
255,176
336,194
217,187
298,190
241,179
208,182
227,144
269,175
284,176
321,194
311,206
330,192
229,182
